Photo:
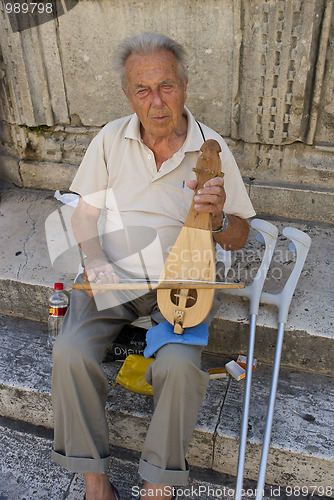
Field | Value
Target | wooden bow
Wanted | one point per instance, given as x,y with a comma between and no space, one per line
156,284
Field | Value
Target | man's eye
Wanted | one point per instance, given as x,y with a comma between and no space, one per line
167,88
142,92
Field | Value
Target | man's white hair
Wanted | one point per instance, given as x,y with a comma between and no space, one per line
147,43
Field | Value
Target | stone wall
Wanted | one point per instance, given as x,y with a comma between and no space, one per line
261,74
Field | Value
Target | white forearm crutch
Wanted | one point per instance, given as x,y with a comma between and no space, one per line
301,244
267,234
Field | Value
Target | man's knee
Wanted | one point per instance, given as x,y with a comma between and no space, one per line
179,366
70,349
174,367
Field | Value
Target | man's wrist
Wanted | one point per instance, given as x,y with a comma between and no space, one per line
223,226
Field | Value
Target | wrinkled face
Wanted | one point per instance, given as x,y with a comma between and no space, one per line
155,92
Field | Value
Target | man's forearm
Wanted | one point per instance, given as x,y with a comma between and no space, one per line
235,235
86,234
97,268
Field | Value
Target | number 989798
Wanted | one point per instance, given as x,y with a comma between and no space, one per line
29,8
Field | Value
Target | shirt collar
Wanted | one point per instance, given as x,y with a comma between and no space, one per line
194,139
133,128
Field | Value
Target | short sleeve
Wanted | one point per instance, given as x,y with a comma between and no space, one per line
91,179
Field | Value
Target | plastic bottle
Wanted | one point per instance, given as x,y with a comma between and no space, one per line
58,303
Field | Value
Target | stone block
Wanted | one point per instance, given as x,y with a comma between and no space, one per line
292,163
300,348
58,145
17,96
47,175
293,201
93,89
9,170
266,25
34,74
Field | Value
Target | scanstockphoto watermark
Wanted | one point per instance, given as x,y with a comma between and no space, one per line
192,492
25,14
241,265
244,264
207,492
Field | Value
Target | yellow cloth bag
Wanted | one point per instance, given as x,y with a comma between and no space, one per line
132,374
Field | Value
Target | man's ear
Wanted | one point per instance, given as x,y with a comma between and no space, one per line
126,95
185,89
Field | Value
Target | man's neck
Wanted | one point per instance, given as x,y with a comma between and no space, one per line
166,146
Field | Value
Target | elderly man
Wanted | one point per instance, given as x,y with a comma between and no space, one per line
138,168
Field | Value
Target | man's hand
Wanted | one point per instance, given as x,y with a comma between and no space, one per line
99,272
211,198
84,223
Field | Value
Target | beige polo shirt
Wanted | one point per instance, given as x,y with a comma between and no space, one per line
146,208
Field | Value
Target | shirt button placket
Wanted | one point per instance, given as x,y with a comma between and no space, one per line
149,157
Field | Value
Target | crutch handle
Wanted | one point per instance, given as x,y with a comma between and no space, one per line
282,300
269,234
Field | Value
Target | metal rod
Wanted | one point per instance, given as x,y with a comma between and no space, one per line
244,421
270,414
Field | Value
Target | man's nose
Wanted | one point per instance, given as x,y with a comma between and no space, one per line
157,100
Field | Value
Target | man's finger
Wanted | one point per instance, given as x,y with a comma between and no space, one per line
191,184
211,198
215,181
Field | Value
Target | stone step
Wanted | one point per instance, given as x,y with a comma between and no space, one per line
300,452
27,471
306,193
300,197
35,254
293,201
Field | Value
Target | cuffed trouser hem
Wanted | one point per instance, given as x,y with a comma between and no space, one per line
156,475
81,465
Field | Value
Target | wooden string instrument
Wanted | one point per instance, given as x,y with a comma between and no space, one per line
192,256
185,290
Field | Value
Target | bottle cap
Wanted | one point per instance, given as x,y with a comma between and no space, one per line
59,286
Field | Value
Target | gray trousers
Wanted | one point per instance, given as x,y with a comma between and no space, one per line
79,391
